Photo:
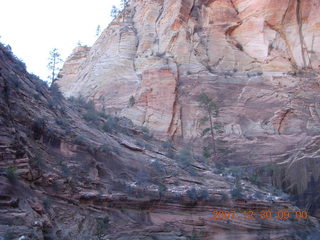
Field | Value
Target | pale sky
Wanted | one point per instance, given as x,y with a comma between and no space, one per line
33,27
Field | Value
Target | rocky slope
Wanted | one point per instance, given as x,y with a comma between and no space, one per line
258,60
70,172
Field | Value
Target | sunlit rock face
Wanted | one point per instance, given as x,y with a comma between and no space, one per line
164,51
258,59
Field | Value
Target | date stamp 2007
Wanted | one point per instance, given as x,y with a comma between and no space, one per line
265,214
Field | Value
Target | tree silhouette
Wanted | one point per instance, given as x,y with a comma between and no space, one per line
54,64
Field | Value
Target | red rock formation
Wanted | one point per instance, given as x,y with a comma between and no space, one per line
74,180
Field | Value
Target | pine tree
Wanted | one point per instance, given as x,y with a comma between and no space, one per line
212,113
54,64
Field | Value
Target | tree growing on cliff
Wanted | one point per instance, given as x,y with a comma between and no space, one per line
124,3
98,31
212,112
54,64
114,12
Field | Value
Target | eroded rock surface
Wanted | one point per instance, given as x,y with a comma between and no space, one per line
258,59
64,178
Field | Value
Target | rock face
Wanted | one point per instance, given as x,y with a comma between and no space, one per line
258,59
62,177
167,44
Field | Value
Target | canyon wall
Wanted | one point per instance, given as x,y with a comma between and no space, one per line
64,176
258,60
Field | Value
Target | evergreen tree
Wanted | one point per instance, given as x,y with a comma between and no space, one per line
54,64
212,113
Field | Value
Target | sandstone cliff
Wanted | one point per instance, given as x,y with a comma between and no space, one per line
66,174
259,60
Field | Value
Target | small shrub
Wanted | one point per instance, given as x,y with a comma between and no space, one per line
159,167
239,46
224,196
258,195
160,55
47,204
36,96
203,194
143,178
192,194
236,192
39,162
195,235
184,158
9,236
167,145
132,101
11,174
111,125
64,123
162,189
79,140
55,91
52,103
106,149
91,116
146,133
101,227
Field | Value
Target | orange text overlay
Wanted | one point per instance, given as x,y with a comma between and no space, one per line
265,214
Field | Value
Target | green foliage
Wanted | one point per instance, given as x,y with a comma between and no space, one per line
64,123
142,178
47,204
203,194
208,104
114,12
91,116
184,158
207,151
54,64
194,235
55,92
147,135
124,3
192,194
132,101
11,174
159,167
111,125
102,225
162,189
106,149
167,145
36,96
80,140
236,192
160,55
9,236
39,162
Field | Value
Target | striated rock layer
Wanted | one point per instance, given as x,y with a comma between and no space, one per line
62,177
258,59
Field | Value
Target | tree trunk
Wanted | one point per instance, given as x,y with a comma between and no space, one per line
212,137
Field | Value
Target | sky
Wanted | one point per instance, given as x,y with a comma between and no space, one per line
33,27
